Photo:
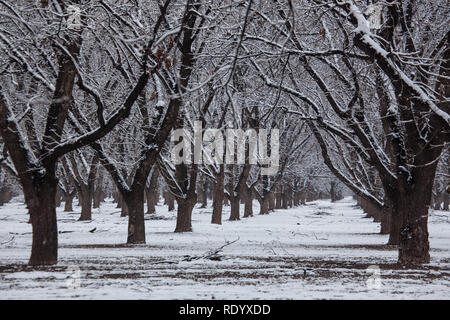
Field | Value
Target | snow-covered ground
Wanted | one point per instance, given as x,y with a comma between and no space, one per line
317,251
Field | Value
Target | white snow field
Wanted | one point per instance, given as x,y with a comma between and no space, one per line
318,251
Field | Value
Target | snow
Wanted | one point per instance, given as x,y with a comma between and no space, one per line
317,251
367,37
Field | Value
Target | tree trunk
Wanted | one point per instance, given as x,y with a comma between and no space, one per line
68,203
447,190
152,192
134,201
5,195
271,201
264,206
58,198
205,192
394,216
284,200
386,221
218,197
116,198
202,196
44,250
170,201
98,198
124,209
303,198
99,194
413,203
333,191
248,201
296,198
394,234
438,201
86,204
184,215
235,206
278,198
290,198
150,201
446,200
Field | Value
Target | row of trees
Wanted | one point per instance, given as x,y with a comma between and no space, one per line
363,85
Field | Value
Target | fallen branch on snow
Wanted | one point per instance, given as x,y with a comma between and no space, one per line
211,255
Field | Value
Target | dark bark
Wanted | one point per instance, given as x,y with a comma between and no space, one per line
333,191
58,198
184,215
218,197
238,192
85,197
278,197
99,194
124,208
41,205
5,195
284,197
386,221
187,202
68,202
202,193
170,200
248,203
235,208
150,197
264,206
152,192
134,201
271,201
117,199
446,201
413,200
